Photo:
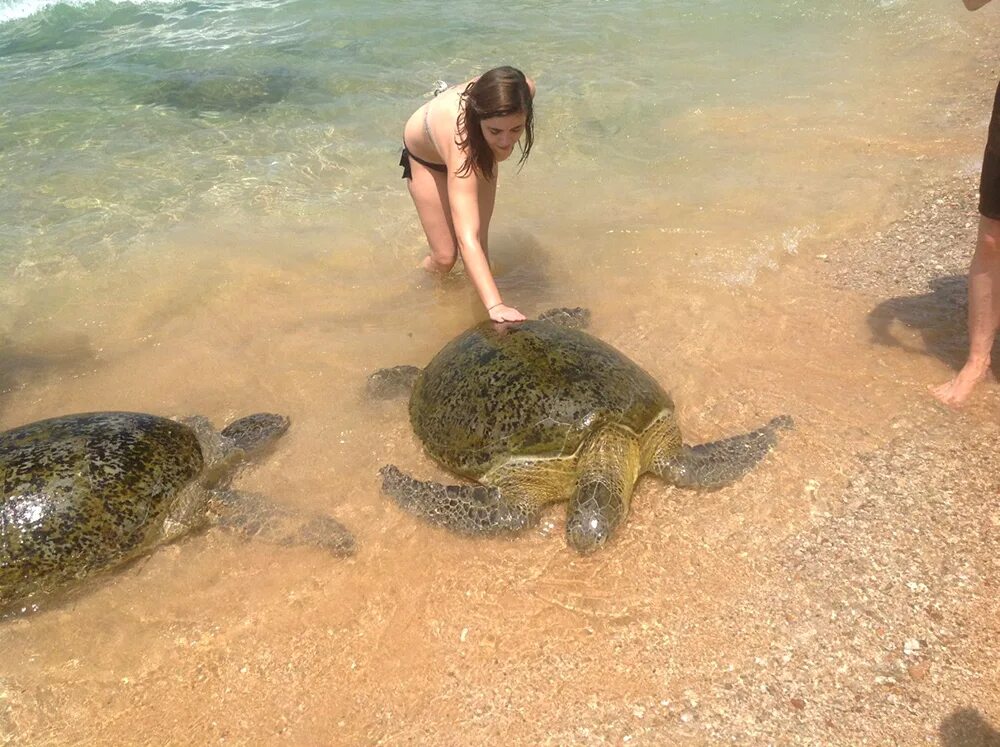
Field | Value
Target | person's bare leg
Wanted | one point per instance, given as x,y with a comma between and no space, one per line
984,315
429,190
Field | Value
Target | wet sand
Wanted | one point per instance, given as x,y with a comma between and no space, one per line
843,593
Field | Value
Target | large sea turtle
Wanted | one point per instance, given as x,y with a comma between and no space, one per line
85,493
538,412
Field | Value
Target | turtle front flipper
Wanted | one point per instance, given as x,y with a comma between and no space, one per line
258,518
608,469
713,465
228,450
469,509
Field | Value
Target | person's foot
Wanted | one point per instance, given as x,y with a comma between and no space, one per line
955,392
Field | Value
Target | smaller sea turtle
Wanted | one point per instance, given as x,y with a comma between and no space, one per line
538,412
85,493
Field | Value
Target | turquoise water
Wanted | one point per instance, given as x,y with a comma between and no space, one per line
120,120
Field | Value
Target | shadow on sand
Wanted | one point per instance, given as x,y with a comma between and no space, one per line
523,264
939,317
21,363
521,268
966,727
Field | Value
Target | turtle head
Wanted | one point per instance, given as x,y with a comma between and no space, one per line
594,512
573,318
586,533
387,383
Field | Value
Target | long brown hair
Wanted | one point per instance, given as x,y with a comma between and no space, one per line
496,93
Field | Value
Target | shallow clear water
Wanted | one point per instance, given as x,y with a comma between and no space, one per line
122,121
149,149
201,212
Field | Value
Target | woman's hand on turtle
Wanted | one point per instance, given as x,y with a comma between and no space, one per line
504,313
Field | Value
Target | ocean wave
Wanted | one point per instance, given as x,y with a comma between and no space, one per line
12,10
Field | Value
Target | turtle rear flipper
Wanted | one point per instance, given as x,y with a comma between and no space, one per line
321,531
258,518
713,465
389,383
469,509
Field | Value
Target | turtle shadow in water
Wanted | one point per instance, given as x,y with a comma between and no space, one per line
939,316
21,363
201,92
84,494
540,412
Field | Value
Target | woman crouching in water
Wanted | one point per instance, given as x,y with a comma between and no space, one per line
452,146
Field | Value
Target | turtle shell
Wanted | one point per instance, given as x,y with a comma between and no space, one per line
534,389
82,491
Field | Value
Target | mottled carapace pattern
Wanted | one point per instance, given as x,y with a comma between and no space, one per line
532,389
84,491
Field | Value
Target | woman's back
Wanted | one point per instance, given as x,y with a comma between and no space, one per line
431,130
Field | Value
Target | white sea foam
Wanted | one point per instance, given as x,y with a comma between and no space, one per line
12,10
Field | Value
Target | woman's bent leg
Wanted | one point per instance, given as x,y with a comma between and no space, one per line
429,190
